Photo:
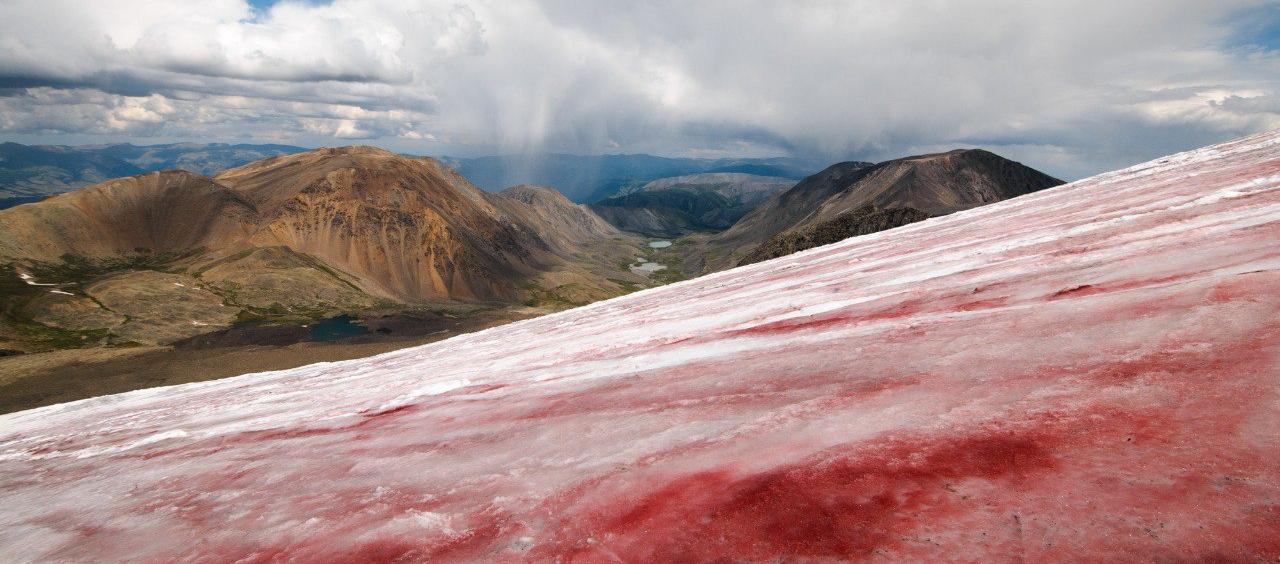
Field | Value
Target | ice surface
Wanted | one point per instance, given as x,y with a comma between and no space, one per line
1085,373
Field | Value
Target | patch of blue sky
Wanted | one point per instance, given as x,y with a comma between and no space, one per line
1256,28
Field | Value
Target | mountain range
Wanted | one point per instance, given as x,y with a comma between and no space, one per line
591,178
407,246
319,232
31,172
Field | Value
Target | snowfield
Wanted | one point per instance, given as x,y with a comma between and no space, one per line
1091,372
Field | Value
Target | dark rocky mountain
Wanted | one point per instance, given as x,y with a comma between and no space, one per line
935,184
862,221
31,171
591,178
304,235
671,207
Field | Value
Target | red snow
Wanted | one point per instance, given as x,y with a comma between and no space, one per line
1090,373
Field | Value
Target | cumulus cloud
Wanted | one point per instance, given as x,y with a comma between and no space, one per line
1072,87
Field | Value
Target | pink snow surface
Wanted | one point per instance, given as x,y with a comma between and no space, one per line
1091,372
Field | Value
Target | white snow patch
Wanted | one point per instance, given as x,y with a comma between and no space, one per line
1233,191
432,389
647,267
98,451
429,520
31,280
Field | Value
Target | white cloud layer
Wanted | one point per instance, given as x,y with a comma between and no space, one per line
1070,87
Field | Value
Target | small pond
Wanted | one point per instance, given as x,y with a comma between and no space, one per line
336,328
659,244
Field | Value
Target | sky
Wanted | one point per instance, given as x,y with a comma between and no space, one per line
1070,87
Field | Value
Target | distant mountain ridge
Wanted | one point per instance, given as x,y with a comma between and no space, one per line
591,178
201,158
32,171
679,205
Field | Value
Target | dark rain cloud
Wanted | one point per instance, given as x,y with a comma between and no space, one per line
1073,88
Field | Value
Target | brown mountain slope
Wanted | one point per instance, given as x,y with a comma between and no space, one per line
590,249
406,228
562,224
167,211
934,184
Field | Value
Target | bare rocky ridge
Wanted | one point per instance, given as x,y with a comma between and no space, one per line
405,228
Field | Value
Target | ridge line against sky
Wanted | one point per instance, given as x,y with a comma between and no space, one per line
1071,88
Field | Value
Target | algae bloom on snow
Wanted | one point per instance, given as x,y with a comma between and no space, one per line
1090,372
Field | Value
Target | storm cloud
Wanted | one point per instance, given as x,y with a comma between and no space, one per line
1070,87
